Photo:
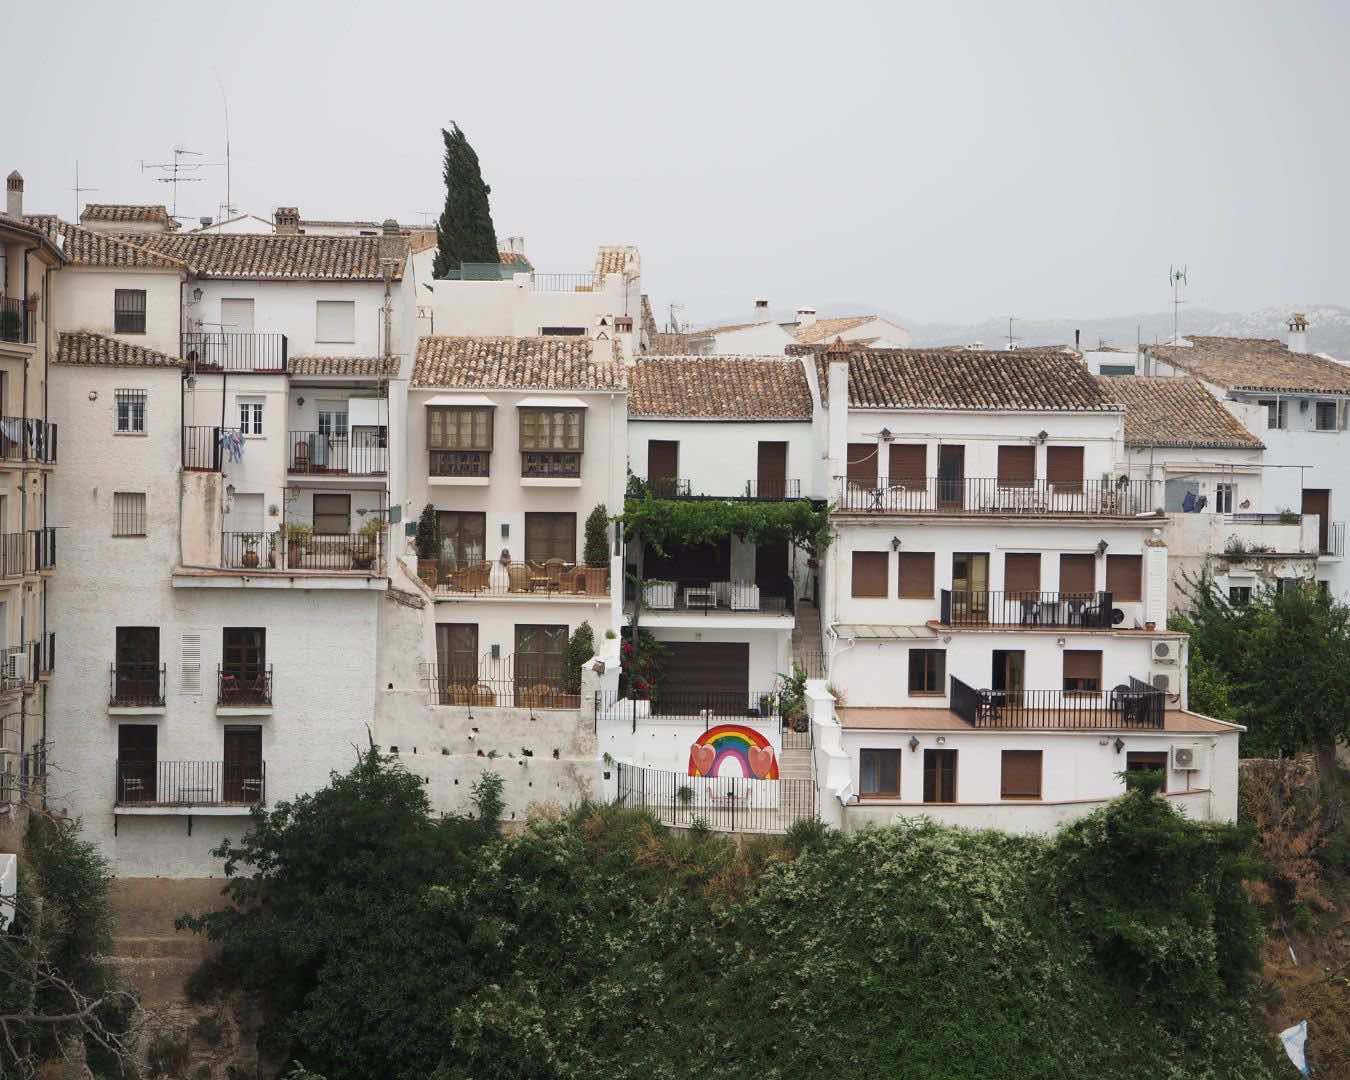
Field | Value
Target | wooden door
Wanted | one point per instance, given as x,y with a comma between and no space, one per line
137,674
771,569
771,470
663,466
970,583
137,762
242,777
243,660
1009,670
456,660
539,661
939,776
1318,501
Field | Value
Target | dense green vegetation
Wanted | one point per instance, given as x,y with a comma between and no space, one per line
464,232
388,943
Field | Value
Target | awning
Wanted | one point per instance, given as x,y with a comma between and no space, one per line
551,403
460,399
883,632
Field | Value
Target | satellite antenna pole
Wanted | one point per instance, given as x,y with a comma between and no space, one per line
1011,339
79,191
176,168
229,206
1177,278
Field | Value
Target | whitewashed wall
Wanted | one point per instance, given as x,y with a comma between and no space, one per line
289,307
512,308
84,300
720,457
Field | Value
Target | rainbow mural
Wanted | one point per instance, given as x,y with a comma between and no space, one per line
748,747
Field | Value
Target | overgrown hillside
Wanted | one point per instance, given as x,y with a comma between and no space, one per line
597,944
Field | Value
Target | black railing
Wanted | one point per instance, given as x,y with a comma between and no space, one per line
13,554
244,684
190,783
42,549
1289,517
27,439
201,448
773,489
1137,705
44,653
969,607
510,682
668,487
318,452
234,351
554,578
16,322
709,706
136,685
985,495
723,803
318,551
458,462
549,465
707,596
815,664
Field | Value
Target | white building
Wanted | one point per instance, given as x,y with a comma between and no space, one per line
1297,405
995,599
872,331
28,538
765,336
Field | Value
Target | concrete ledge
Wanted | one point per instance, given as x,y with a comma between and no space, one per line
190,578
182,811
551,481
243,710
137,710
458,481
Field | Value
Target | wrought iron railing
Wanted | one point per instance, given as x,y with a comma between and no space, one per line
773,489
971,607
136,684
511,681
722,803
318,452
707,596
318,551
13,554
202,448
549,465
458,462
1137,705
27,439
985,495
16,321
562,282
554,578
190,783
42,549
212,350
668,487
1287,517
44,653
710,707
244,684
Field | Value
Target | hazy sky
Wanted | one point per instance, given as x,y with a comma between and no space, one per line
943,161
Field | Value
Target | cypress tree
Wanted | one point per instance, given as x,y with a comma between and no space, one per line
464,232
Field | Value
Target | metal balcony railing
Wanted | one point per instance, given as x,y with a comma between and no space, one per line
136,685
668,487
319,551
190,783
722,803
563,282
213,350
41,549
244,684
27,439
966,607
709,596
1137,705
986,495
16,321
318,452
773,489
202,448
553,578
511,681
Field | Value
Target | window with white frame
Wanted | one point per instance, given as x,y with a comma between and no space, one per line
1223,498
335,321
1277,413
1326,416
251,418
129,406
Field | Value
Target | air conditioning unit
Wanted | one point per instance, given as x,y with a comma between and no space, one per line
1166,651
1166,681
1189,758
12,669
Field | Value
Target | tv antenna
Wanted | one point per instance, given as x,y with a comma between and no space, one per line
1177,278
673,325
427,215
174,171
1012,341
79,191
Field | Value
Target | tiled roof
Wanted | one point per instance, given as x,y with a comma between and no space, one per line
648,318
511,363
726,329
1175,411
379,366
932,379
828,329
1255,364
513,258
719,388
127,212
84,247
27,227
86,347
664,343
263,257
614,259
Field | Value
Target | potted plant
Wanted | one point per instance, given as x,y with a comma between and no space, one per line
792,699
250,556
428,544
298,536
363,555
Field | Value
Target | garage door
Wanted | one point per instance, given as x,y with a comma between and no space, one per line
708,667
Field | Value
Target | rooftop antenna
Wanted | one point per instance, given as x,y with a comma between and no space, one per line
79,191
427,215
225,103
673,324
177,168
1012,341
1177,278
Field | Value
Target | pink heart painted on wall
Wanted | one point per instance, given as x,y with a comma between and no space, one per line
761,761
701,760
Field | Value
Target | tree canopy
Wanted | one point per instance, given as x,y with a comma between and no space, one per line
464,233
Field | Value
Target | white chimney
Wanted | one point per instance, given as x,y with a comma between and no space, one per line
806,316
837,409
517,245
761,310
14,194
1298,332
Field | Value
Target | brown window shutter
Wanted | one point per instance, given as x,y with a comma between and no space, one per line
1064,465
1077,574
916,576
862,463
1125,577
1021,774
869,573
909,464
663,459
1016,466
1083,664
1022,572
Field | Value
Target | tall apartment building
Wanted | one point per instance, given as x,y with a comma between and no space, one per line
28,455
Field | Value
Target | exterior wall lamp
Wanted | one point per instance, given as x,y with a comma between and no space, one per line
1119,744
1102,545
913,743
895,543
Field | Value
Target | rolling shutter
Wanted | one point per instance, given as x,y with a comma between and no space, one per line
1082,669
916,575
1021,774
1064,465
1125,577
1022,572
862,463
1077,574
1016,466
699,666
909,464
869,573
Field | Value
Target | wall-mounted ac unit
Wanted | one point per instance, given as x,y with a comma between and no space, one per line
1189,758
1166,651
1166,681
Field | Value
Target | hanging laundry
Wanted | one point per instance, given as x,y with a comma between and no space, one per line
232,442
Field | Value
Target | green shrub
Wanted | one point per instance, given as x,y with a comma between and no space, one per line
597,537
428,539
580,648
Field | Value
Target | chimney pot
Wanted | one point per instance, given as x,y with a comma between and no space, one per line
761,309
1298,332
14,194
286,221
806,316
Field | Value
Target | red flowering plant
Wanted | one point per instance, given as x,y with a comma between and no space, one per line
644,662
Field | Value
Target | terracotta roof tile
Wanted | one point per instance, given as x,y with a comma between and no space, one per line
86,347
719,388
1175,411
967,380
827,329
379,366
85,247
127,212
648,318
616,259
664,343
511,363
1254,364
264,257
